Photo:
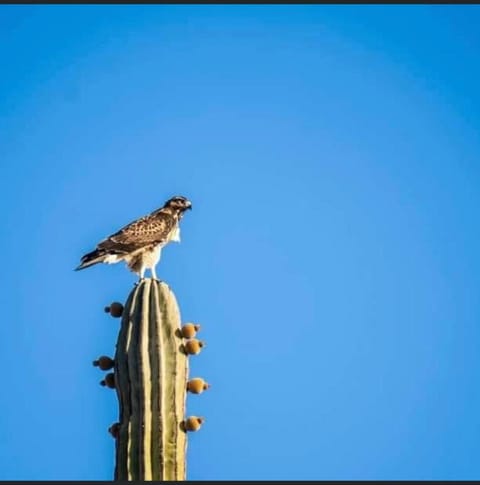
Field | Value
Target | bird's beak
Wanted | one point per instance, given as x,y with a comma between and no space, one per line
190,206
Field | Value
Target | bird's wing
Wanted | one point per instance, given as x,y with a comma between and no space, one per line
148,230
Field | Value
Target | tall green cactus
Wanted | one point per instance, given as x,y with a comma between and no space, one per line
150,377
151,371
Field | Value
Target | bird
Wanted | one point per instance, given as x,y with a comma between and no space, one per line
140,242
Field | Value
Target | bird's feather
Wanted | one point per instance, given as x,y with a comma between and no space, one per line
146,231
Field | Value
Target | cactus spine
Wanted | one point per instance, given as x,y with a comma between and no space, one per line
151,371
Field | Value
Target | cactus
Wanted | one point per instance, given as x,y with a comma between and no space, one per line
151,371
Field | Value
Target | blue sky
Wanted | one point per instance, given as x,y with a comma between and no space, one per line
332,157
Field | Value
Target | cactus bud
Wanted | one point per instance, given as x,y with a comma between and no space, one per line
115,309
109,381
197,385
189,330
193,346
104,362
114,429
193,423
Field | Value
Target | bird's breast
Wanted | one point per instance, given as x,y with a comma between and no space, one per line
175,235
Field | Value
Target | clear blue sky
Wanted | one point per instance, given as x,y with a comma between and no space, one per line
332,155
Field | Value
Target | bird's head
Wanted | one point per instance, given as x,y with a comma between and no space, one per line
178,203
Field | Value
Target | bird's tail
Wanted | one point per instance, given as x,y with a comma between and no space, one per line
97,256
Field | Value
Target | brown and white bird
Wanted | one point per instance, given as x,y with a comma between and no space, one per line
140,243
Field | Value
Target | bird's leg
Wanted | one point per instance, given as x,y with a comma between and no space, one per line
154,273
142,273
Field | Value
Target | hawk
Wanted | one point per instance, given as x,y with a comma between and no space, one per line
140,243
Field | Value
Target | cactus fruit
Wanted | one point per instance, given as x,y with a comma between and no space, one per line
151,381
104,363
197,385
109,381
189,330
114,429
115,309
193,346
193,423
